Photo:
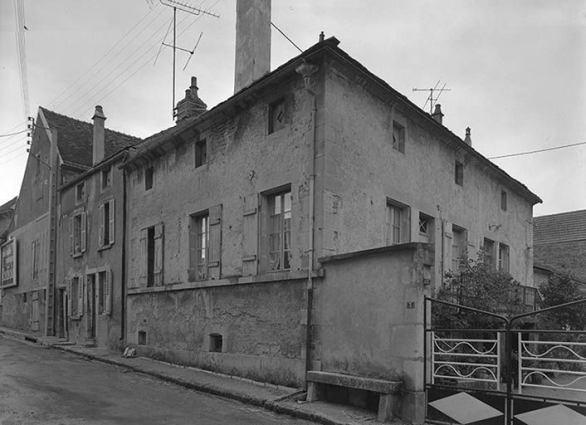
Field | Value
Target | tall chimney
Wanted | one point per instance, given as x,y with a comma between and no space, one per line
468,139
99,135
437,113
191,105
253,41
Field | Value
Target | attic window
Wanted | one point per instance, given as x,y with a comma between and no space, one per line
201,154
459,173
503,200
79,192
106,177
277,115
398,137
148,178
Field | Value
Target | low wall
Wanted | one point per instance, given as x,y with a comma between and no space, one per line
368,316
262,328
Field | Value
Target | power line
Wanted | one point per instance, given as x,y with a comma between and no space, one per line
284,35
537,151
13,134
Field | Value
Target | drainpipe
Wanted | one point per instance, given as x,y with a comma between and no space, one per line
306,70
123,282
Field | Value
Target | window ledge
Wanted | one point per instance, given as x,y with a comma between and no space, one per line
236,280
77,254
104,247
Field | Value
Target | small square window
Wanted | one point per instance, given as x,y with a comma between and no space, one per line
148,178
106,177
424,225
503,200
277,116
216,343
200,153
459,173
79,192
142,338
398,137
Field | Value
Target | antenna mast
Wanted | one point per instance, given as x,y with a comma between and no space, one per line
432,100
193,11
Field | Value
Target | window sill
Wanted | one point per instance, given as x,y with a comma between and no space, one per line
104,247
77,254
236,280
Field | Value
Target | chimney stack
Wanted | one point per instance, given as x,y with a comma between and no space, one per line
99,135
437,113
191,105
253,41
468,139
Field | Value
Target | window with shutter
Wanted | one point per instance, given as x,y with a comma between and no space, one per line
111,217
143,259
158,255
199,242
215,241
250,236
277,231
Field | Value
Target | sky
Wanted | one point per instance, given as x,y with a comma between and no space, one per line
516,70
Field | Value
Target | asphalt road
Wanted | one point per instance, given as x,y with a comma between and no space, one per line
45,386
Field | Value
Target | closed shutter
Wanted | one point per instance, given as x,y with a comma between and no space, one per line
83,233
158,260
215,251
191,273
142,279
71,233
80,295
108,293
102,231
111,222
68,286
250,236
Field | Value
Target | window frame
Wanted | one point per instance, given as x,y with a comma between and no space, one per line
79,192
78,232
275,106
200,153
504,200
106,177
489,252
504,261
149,178
459,173
402,135
107,224
391,227
284,251
197,234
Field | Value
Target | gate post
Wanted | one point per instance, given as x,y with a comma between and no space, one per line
509,374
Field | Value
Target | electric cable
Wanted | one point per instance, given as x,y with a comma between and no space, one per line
536,151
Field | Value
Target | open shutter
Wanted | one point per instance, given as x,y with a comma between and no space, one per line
111,223
108,293
158,260
71,233
191,273
68,286
80,295
142,277
101,241
83,233
33,259
215,249
250,236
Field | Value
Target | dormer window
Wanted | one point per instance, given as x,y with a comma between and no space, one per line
80,192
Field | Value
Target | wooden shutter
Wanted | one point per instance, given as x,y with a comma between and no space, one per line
83,233
191,269
71,233
33,259
101,241
215,250
80,295
250,236
111,222
68,286
142,277
108,292
158,260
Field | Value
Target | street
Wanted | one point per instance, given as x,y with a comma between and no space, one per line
46,386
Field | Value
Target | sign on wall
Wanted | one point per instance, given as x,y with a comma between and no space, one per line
8,275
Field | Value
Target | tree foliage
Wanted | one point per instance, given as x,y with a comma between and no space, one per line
478,285
559,289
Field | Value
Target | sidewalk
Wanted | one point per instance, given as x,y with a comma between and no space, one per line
272,397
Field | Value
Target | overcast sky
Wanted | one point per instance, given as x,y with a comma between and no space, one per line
516,70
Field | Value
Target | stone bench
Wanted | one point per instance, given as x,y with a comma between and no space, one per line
388,390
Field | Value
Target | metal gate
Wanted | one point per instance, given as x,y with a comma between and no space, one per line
501,375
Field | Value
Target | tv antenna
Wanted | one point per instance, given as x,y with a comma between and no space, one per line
193,11
433,100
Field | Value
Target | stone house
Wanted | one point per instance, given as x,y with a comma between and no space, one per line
296,226
61,151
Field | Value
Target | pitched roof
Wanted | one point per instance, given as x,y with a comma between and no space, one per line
75,139
562,227
161,142
8,206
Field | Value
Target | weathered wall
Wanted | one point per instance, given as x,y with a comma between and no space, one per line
96,258
362,170
261,325
369,315
260,313
569,257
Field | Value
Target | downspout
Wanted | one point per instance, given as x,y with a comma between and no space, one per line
123,282
306,70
